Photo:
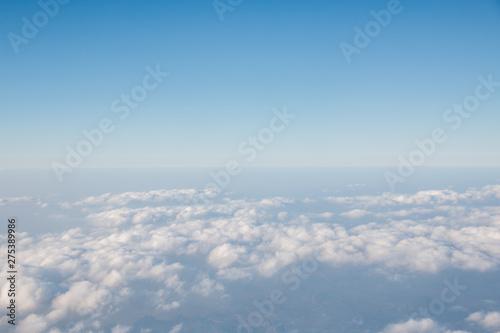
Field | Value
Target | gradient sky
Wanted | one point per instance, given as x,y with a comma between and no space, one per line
227,76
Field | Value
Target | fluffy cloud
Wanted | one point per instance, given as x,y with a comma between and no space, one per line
355,213
434,197
224,255
120,329
157,250
489,320
82,298
206,286
122,199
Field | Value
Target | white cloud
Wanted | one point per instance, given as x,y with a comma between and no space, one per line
7,201
224,255
120,329
83,297
355,213
177,328
34,292
418,326
122,199
32,323
206,286
489,320
171,253
434,197
356,185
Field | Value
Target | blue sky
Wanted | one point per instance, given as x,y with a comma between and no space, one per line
227,76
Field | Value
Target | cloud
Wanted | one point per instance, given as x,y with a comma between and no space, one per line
6,201
418,326
355,213
163,253
82,298
34,292
206,286
157,196
177,328
32,323
489,320
224,255
120,329
434,197
356,185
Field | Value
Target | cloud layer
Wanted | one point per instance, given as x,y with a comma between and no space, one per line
159,250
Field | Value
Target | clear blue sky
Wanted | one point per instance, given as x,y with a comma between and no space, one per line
227,76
